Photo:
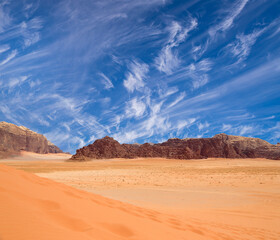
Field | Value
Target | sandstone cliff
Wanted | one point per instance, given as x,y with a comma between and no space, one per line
16,138
219,146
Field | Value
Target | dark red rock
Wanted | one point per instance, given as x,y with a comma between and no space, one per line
219,146
16,138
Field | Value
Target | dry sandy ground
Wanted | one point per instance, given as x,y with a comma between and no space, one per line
37,208
30,156
198,199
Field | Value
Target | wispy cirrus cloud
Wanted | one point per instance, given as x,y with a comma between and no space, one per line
202,126
135,108
232,13
240,130
31,31
181,96
241,47
228,17
17,81
4,48
275,130
182,124
106,81
198,72
139,70
226,127
10,56
135,77
168,60
5,19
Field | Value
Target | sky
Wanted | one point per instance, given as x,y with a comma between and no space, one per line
142,70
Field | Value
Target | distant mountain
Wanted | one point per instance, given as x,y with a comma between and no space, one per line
219,146
15,138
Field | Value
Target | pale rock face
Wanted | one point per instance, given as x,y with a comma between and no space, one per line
219,146
16,138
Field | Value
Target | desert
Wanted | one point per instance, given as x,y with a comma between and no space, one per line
139,120
159,198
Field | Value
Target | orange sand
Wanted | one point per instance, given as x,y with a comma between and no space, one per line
36,208
194,199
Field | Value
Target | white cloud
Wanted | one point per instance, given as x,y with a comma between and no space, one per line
57,137
9,57
106,81
135,108
168,60
199,50
238,130
275,132
198,72
204,65
241,47
78,140
30,31
4,48
33,24
67,126
168,92
267,118
201,126
127,137
200,80
178,99
227,23
185,123
5,18
155,122
243,44
156,107
241,117
17,81
6,111
31,39
245,130
136,75
178,33
196,49
226,127
275,32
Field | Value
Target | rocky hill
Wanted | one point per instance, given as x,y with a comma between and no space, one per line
219,146
15,138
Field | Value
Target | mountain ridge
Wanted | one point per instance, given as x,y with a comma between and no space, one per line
14,139
219,146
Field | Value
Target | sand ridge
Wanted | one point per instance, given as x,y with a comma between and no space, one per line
202,199
38,208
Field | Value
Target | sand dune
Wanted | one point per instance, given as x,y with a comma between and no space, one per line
213,199
36,208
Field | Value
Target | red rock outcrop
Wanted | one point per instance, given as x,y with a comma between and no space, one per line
14,138
219,146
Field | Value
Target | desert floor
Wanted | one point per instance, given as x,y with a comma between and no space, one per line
200,199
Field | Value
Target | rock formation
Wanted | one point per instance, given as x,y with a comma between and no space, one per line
16,138
53,149
219,146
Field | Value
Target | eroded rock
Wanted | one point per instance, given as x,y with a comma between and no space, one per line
219,146
14,139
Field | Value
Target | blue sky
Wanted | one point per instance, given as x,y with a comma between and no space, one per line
142,70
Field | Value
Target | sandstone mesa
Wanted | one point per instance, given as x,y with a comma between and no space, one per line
219,146
14,139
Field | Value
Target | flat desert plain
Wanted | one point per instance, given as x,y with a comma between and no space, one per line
140,198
